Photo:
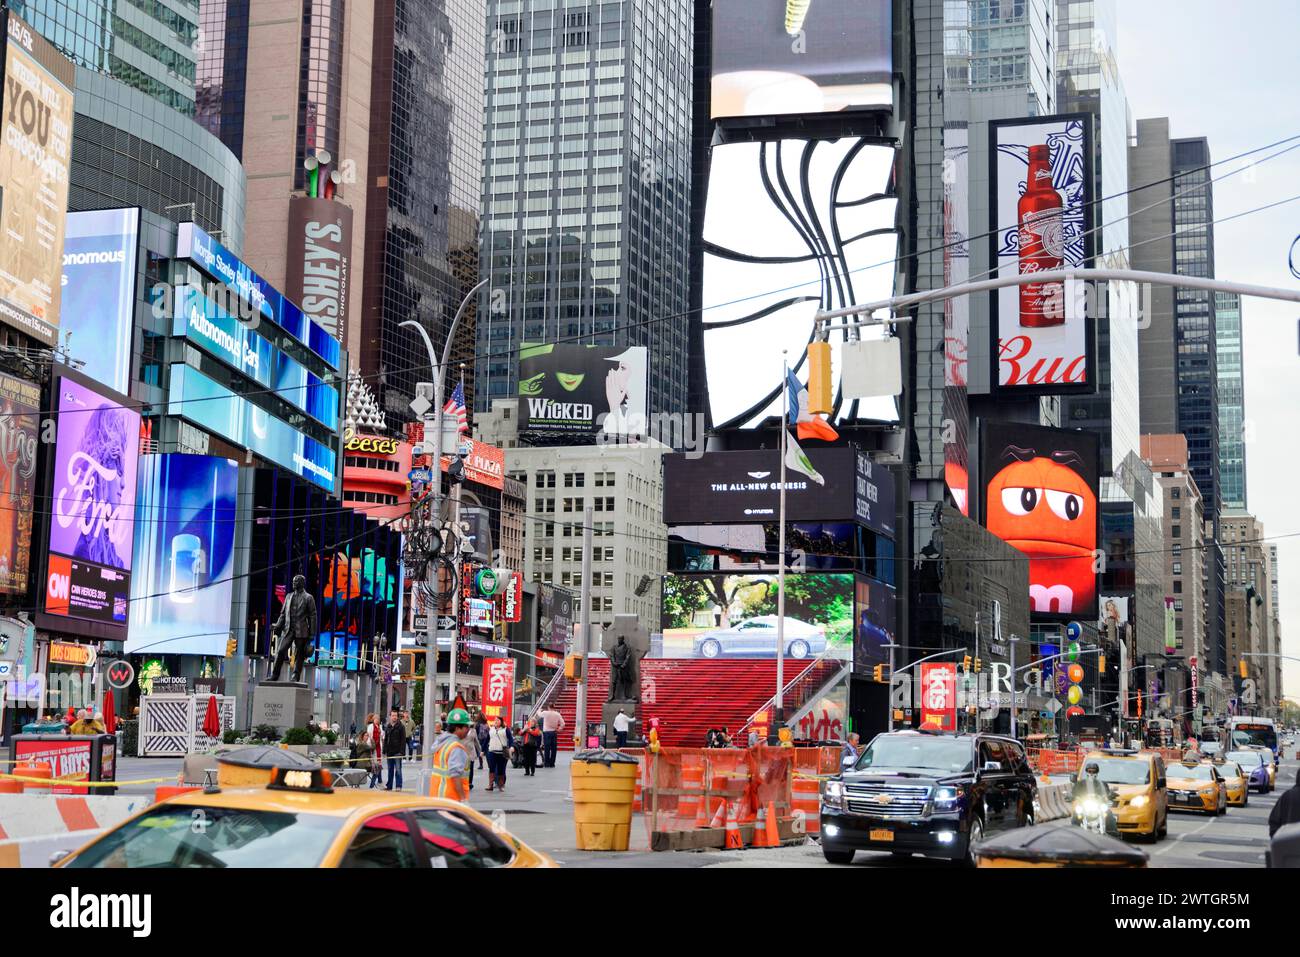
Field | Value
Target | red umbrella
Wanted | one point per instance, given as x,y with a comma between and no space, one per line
211,720
110,713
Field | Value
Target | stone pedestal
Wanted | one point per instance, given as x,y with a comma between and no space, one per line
282,704
609,710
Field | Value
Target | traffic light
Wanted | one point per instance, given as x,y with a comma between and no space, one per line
230,647
977,666
965,664
1245,670
878,673
821,397
1101,664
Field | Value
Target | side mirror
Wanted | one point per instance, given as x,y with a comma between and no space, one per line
58,856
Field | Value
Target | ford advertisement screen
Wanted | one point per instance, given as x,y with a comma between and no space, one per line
92,507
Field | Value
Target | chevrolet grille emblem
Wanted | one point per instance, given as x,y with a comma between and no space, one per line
884,799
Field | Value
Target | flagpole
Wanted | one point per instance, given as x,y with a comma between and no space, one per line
779,717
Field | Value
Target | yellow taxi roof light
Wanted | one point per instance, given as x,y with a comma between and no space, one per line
315,780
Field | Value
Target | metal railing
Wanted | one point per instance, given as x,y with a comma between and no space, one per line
801,680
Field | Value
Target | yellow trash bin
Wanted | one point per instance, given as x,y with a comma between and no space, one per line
604,784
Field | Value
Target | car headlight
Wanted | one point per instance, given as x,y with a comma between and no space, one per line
833,796
1209,791
1140,801
945,799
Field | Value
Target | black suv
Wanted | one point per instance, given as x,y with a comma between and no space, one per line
931,793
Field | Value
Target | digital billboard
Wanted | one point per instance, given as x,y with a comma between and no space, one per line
317,271
724,616
775,255
100,252
781,57
217,332
557,610
184,555
956,315
221,264
744,487
820,546
578,389
20,403
206,403
92,509
1040,495
35,149
1040,203
875,623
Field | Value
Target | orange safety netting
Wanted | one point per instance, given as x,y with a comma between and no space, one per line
687,788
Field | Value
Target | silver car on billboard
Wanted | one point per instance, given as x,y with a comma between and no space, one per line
756,638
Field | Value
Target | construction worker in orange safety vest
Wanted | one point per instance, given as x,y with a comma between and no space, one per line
451,759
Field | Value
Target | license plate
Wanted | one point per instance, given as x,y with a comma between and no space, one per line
881,834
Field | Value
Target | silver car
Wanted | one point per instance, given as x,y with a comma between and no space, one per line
756,638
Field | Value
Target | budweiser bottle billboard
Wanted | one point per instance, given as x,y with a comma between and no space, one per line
1042,243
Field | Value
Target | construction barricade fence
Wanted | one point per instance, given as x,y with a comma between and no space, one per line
688,795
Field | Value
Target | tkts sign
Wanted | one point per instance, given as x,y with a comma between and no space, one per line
498,688
939,696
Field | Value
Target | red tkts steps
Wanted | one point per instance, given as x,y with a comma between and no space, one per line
690,695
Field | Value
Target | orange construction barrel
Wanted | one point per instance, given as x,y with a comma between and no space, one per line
39,769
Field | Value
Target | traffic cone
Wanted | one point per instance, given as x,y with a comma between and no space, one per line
720,818
773,838
734,839
760,829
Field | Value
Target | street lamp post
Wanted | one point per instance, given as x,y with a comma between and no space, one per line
433,421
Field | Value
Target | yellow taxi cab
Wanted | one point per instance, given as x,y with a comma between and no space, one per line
299,820
1138,780
1196,786
1235,783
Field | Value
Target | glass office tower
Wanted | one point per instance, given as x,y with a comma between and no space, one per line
146,44
586,185
1232,400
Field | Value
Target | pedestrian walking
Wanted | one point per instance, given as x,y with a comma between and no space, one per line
370,746
621,725
552,725
481,732
409,725
474,751
532,742
394,748
501,745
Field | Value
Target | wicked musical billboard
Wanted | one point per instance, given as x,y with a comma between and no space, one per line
1040,495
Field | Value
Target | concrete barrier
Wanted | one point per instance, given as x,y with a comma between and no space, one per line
28,820
1053,802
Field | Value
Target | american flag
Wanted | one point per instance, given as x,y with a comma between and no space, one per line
456,406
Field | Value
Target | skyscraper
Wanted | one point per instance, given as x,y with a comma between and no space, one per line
586,185
1172,230
422,202
148,46
1232,400
1001,46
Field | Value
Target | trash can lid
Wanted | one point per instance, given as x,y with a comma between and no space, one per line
266,756
1062,842
604,756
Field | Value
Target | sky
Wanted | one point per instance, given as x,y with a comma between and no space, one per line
1227,72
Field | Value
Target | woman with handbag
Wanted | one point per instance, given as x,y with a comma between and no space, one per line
501,746
370,748
532,740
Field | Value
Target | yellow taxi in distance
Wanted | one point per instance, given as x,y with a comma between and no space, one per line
1235,783
1196,786
299,820
1138,780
